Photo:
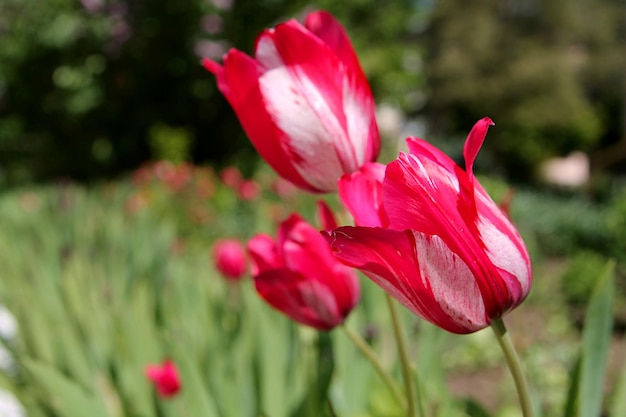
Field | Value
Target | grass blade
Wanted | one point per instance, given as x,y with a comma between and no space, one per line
596,337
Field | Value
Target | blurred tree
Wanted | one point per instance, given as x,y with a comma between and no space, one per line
550,73
84,83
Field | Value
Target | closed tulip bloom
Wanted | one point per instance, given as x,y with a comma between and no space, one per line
165,378
303,101
229,256
298,275
445,249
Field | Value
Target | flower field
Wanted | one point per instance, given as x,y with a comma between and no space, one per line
106,280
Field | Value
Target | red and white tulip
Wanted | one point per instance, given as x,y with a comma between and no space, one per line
433,238
303,101
298,275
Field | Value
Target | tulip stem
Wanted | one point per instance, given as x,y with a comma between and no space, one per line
365,349
515,366
404,360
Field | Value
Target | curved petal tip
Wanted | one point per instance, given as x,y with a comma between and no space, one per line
474,142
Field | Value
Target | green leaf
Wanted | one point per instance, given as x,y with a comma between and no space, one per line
596,338
618,405
194,394
316,402
572,392
67,397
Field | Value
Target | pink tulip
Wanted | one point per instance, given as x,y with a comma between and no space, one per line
303,101
165,378
298,275
229,256
248,190
231,176
448,253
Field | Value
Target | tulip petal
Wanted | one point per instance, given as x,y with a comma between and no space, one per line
474,141
305,300
238,81
504,247
418,270
264,254
326,216
358,95
362,194
423,149
306,252
422,195
312,101
332,33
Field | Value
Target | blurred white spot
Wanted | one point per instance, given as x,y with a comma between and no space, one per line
390,120
8,324
211,49
10,406
571,171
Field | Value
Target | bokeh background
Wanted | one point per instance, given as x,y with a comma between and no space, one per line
90,89
113,146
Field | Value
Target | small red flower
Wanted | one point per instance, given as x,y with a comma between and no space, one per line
165,378
229,256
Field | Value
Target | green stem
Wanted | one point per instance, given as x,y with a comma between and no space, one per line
404,360
515,366
369,354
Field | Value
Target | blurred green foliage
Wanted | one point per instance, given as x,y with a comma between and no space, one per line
170,144
579,278
83,84
105,280
549,73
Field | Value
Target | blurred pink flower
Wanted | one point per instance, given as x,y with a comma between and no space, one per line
231,177
283,188
165,378
229,257
174,176
249,190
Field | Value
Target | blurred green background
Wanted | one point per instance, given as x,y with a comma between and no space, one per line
92,88
105,257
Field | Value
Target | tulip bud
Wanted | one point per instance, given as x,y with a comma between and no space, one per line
165,378
229,256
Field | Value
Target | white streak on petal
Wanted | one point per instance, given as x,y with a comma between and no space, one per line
503,252
266,53
452,283
317,139
435,174
359,119
300,109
